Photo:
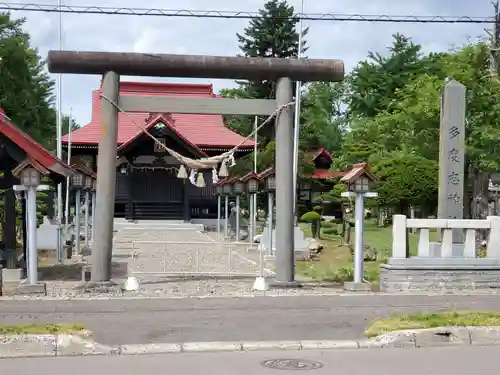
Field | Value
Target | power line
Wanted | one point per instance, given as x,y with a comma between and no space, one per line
186,13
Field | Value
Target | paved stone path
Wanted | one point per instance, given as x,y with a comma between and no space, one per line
181,252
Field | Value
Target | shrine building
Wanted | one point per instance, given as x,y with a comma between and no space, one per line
147,186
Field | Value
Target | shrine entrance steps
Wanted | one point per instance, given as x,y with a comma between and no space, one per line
124,225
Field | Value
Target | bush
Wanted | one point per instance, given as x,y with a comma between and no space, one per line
331,231
328,224
314,219
318,209
310,217
342,274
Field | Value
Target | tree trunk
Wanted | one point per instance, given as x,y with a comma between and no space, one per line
347,235
479,209
403,207
315,225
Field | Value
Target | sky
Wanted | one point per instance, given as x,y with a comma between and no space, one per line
349,41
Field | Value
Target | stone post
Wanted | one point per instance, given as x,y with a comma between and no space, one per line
86,218
452,154
78,210
106,180
285,247
32,243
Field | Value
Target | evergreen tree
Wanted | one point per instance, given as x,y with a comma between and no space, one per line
65,124
25,88
272,34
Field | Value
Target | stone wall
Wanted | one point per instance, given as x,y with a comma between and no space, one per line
400,278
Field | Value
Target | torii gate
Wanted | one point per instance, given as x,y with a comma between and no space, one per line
111,65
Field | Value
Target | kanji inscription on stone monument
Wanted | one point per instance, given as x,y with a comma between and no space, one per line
451,153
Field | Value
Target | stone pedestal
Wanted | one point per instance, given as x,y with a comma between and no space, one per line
351,286
440,274
31,289
301,244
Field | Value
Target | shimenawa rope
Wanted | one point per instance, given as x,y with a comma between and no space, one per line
226,159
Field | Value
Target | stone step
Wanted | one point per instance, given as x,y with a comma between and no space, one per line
162,226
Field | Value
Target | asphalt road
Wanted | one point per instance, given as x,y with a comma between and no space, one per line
429,361
123,321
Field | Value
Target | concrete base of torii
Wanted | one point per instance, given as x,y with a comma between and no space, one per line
13,283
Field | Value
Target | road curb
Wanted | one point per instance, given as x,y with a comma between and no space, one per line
272,294
32,346
236,346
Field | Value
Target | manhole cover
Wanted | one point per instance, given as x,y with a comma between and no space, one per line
292,364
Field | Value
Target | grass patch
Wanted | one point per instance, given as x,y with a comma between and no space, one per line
41,329
335,264
433,320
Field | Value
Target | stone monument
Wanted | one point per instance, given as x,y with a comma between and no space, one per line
451,161
452,262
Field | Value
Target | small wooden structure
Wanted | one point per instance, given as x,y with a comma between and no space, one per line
19,151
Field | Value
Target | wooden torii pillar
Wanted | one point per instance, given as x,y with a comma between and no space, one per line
111,65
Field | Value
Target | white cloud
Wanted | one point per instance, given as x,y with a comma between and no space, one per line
349,41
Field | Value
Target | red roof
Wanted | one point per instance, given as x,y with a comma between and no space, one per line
206,131
37,155
79,165
358,170
325,174
322,151
167,120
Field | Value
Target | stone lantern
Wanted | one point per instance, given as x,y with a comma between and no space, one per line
86,229
30,177
358,181
305,191
77,183
94,193
88,183
227,187
269,179
219,191
270,183
238,188
360,184
252,181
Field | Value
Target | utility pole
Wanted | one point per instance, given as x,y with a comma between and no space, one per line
481,181
494,43
494,62
296,135
59,208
